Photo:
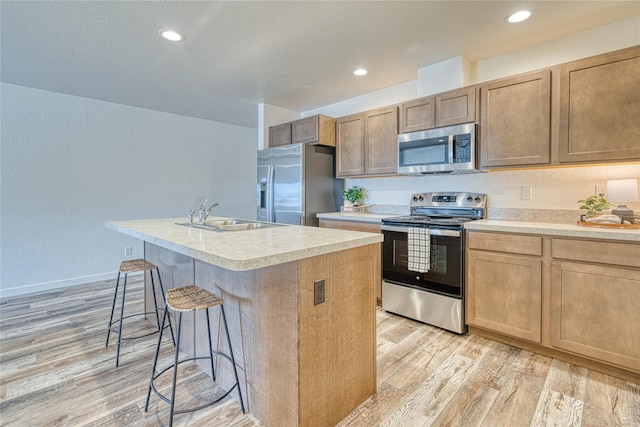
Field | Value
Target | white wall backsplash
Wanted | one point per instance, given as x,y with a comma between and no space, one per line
70,164
553,188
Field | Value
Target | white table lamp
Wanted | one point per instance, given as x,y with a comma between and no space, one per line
622,191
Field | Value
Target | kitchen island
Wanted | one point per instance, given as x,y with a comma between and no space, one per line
299,363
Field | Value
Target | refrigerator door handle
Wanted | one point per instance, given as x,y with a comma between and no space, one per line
270,190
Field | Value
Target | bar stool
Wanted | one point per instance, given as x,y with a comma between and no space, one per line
131,266
179,300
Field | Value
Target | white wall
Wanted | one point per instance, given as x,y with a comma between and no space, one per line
558,188
70,164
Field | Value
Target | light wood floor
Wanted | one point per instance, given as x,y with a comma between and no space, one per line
55,370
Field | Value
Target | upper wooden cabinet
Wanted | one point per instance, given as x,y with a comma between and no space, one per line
280,135
381,141
367,143
515,122
318,129
444,109
456,107
350,145
600,108
419,114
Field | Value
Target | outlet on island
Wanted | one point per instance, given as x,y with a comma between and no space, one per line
318,292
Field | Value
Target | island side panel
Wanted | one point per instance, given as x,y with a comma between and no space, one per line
261,311
337,337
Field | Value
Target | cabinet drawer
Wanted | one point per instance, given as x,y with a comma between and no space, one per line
509,243
623,254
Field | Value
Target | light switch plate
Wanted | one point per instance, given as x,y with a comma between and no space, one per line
525,192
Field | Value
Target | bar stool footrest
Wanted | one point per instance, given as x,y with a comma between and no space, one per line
148,313
182,411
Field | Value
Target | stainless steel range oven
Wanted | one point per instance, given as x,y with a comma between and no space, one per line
423,258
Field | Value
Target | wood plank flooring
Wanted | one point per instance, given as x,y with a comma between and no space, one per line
56,371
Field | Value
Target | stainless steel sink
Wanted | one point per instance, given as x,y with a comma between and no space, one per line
230,225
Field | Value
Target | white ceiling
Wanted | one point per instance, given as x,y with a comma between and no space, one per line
298,55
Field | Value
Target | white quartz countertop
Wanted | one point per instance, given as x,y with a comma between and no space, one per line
355,216
243,250
565,230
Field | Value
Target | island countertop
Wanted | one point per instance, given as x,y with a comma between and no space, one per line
243,250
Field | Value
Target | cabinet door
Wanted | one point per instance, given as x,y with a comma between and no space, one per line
305,130
381,146
504,294
595,312
419,114
600,108
516,121
456,107
280,135
350,145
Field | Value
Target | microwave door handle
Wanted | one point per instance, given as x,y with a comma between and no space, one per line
452,142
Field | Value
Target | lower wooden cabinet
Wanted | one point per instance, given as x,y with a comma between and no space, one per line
595,311
504,291
368,227
504,294
565,296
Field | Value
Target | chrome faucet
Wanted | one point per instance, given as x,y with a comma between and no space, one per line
204,213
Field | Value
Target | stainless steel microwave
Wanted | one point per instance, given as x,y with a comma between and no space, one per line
443,150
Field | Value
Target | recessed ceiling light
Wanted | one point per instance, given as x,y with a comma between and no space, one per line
519,16
171,35
360,72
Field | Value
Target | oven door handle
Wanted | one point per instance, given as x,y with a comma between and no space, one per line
432,231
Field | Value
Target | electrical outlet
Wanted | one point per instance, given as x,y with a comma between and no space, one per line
525,192
318,292
128,251
601,190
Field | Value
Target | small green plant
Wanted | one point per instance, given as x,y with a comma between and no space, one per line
353,194
593,205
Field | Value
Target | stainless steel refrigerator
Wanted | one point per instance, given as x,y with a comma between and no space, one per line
295,182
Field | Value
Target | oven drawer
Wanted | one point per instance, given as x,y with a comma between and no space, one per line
508,243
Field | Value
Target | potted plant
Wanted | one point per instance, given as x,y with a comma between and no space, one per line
593,205
352,197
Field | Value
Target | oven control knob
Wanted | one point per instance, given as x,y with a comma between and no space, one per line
421,198
469,199
478,198
415,199
417,277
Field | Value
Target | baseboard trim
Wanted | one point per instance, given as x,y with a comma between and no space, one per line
49,286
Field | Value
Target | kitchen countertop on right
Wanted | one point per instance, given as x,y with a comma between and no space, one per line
552,229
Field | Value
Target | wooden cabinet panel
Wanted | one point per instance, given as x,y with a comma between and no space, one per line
280,135
419,114
316,129
612,253
504,294
516,121
350,145
510,243
594,312
381,136
368,227
456,107
599,108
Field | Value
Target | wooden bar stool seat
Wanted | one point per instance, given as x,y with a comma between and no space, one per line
126,267
180,300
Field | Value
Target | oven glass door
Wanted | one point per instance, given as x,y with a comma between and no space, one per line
445,275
